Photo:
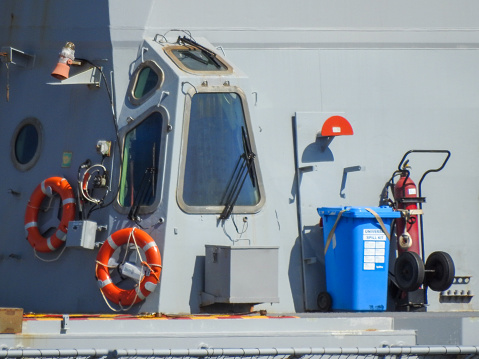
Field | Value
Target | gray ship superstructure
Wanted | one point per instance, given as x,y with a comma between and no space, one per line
169,169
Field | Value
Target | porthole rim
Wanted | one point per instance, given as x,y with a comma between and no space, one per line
13,155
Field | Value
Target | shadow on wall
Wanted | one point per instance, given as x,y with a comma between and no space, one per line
305,292
197,285
295,276
317,152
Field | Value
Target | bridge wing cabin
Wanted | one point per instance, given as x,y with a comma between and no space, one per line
211,158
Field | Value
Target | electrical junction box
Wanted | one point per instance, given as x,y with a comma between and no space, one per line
81,234
241,274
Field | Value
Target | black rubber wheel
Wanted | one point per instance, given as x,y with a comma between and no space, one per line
409,271
324,302
440,271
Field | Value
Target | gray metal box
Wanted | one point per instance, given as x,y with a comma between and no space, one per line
81,234
241,274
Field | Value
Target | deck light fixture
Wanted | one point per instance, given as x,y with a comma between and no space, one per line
66,58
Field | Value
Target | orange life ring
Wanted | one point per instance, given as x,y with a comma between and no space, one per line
46,188
148,282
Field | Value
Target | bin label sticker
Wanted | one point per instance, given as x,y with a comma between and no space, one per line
374,249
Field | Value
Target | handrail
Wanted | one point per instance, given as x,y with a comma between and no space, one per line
241,352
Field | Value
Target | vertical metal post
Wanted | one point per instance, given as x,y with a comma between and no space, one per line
298,177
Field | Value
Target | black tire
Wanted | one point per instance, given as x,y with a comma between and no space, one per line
324,302
440,271
409,271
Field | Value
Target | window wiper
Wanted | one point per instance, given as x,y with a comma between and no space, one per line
250,155
147,184
205,51
244,166
194,57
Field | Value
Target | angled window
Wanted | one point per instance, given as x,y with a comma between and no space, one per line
146,79
143,159
219,170
197,60
26,144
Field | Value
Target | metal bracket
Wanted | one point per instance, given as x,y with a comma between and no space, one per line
456,295
91,76
17,57
407,213
346,170
324,142
306,169
65,322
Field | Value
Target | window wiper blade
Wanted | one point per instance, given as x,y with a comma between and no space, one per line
147,183
244,166
236,184
249,155
212,57
205,51
194,57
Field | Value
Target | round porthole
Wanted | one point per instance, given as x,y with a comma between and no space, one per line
26,144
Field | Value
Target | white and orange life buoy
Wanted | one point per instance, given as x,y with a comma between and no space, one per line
148,282
44,189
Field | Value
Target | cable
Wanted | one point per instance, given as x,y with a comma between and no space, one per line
49,260
115,123
87,176
163,36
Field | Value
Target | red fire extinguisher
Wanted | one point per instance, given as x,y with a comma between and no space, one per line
410,271
407,227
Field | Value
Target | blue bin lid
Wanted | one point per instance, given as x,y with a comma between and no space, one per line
359,212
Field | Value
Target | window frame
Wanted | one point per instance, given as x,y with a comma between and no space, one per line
134,81
13,153
169,52
238,209
161,161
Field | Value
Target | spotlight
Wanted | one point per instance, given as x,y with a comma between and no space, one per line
64,61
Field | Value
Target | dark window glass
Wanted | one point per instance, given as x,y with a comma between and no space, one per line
147,81
140,162
215,152
26,144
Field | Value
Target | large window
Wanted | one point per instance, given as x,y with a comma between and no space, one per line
219,167
141,158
